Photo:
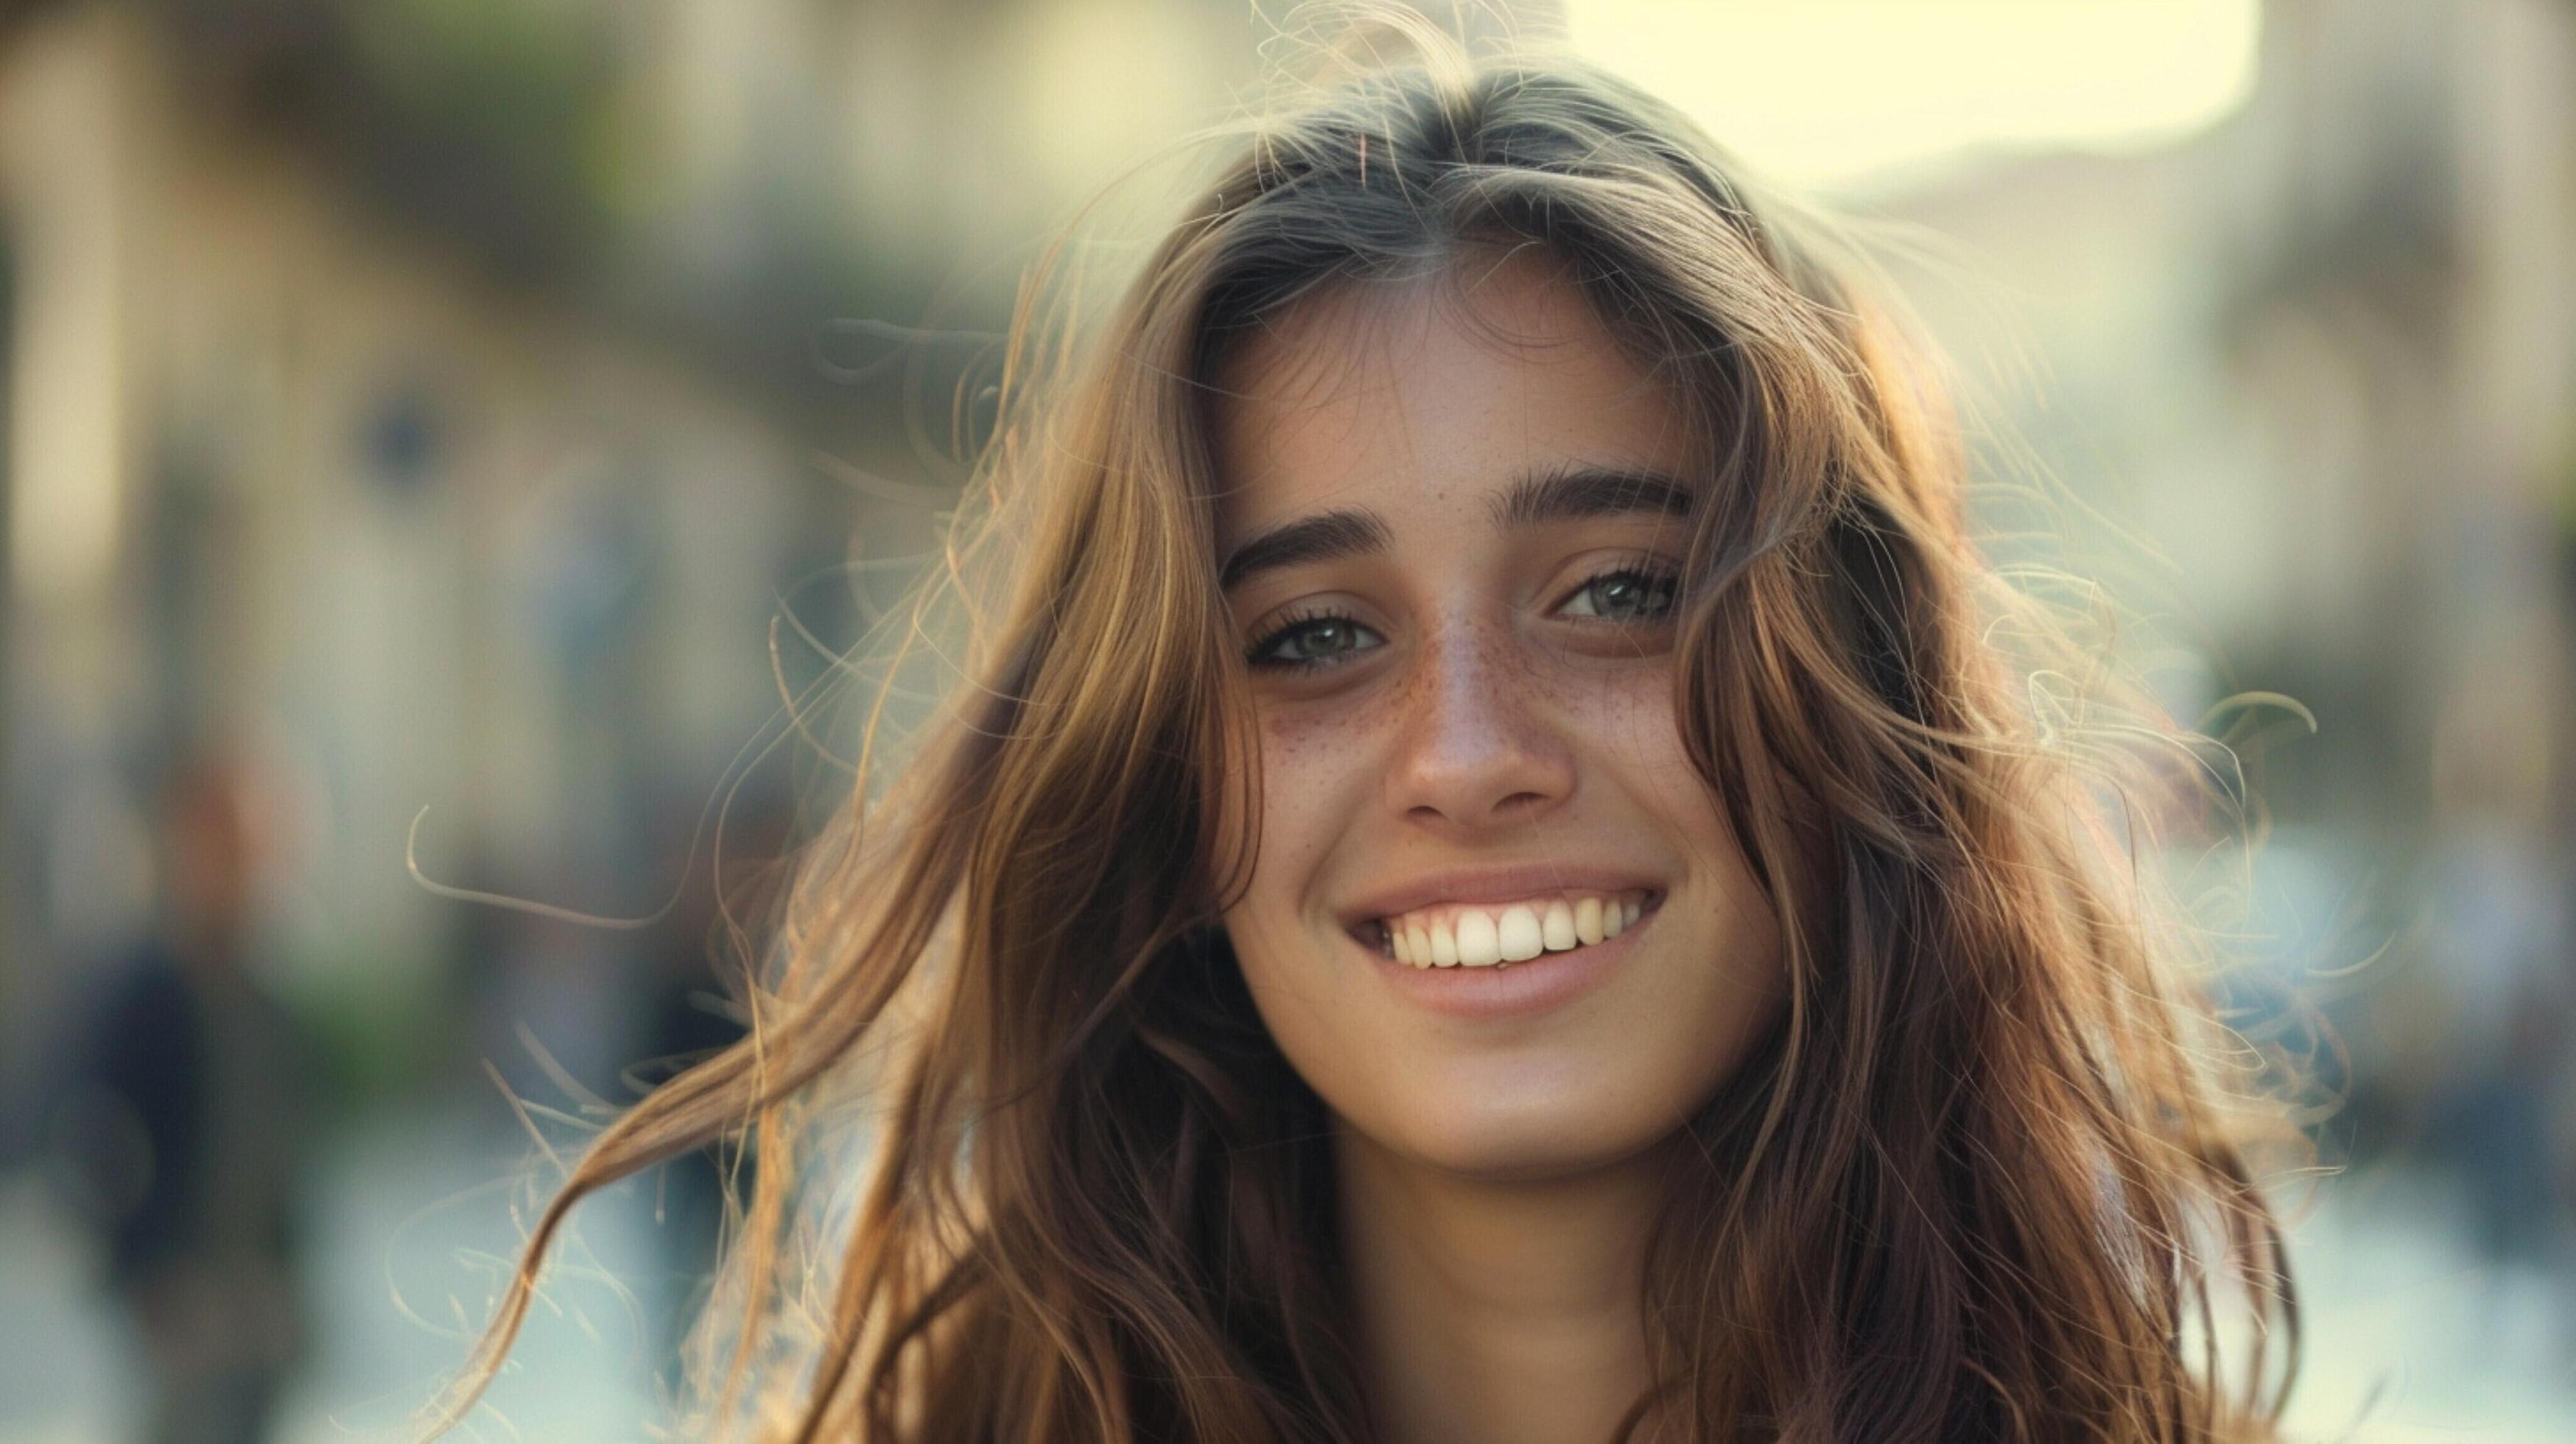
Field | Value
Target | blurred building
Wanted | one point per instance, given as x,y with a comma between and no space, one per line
495,408
2320,361
441,398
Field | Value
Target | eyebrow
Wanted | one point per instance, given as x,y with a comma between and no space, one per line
1326,536
1567,493
1574,493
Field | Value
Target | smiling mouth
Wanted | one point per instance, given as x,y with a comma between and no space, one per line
1484,935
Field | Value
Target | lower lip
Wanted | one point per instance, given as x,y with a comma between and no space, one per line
1509,990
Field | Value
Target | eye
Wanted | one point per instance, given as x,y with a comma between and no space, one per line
1320,639
1624,594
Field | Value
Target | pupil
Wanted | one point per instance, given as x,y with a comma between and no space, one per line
1323,637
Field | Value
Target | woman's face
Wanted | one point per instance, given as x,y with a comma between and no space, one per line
1452,519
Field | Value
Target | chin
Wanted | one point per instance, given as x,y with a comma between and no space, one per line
1534,1132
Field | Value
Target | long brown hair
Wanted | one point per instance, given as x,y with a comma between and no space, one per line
1984,1179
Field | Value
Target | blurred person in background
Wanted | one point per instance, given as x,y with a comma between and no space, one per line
185,1125
1487,879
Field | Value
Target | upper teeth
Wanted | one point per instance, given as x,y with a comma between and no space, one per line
1479,936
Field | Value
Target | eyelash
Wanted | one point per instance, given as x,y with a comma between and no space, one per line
1259,654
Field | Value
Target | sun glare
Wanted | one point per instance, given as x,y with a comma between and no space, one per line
1845,93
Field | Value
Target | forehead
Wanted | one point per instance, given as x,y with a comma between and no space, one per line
1429,393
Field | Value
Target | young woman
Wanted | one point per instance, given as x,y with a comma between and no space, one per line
1493,876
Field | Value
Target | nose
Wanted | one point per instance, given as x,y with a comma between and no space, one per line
1478,747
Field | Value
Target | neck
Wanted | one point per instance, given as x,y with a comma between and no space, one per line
1501,1311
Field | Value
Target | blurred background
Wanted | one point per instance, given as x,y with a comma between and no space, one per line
496,406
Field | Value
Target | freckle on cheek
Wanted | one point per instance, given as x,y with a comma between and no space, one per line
1291,731
1297,750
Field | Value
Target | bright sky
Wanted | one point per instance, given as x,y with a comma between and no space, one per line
1836,92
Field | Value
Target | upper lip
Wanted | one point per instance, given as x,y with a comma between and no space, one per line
1514,883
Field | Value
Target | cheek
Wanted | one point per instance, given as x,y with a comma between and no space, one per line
1299,787
1319,772
1723,974
1635,741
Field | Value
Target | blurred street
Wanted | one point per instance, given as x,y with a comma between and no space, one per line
413,1227
2413,1337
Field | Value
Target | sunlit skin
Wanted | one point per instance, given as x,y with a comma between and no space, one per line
1481,691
